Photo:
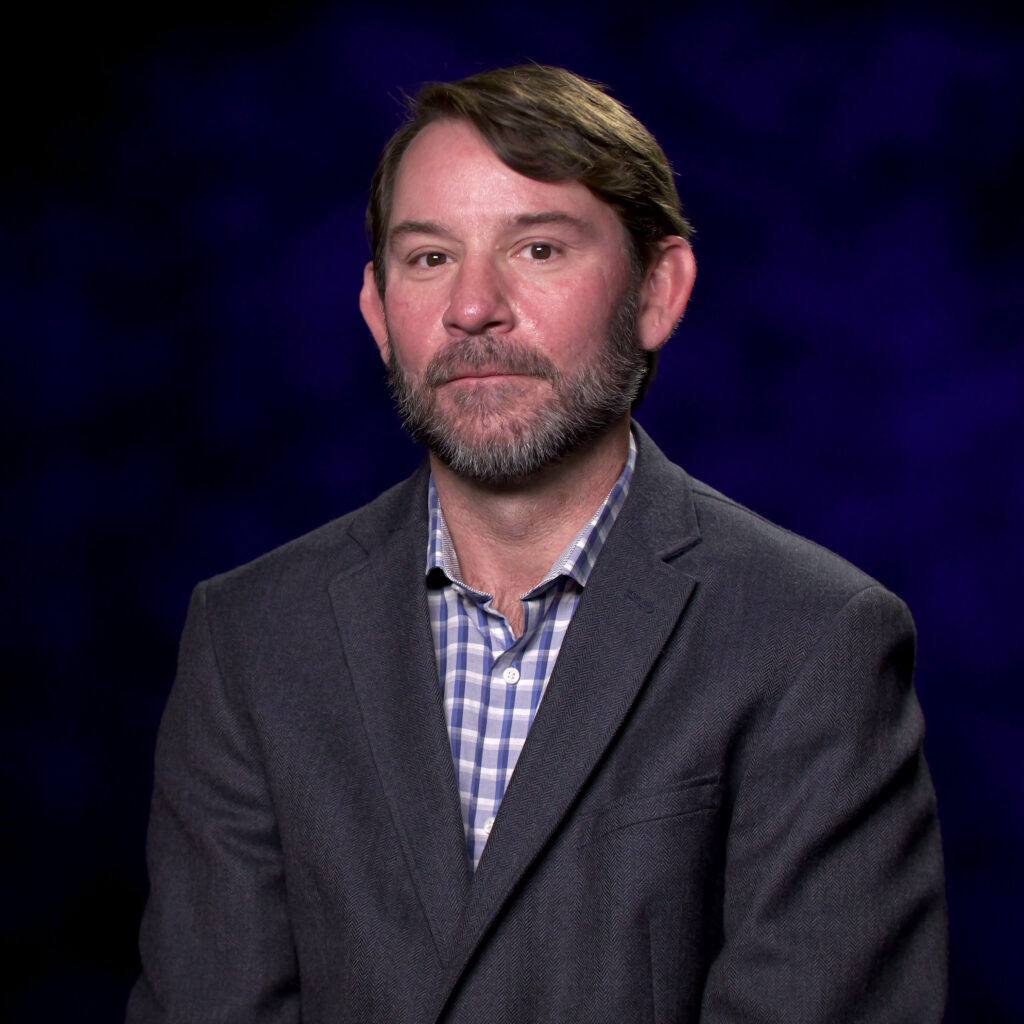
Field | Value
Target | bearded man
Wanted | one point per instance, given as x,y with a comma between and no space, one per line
550,731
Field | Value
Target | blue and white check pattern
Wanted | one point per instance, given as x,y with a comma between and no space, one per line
494,682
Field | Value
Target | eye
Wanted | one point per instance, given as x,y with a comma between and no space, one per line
539,251
431,259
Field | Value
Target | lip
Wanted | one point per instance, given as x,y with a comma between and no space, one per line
483,374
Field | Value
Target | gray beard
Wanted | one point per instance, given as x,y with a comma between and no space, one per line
582,406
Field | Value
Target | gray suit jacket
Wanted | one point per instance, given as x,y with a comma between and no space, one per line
722,812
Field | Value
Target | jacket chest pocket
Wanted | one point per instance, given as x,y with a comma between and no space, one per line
650,869
701,795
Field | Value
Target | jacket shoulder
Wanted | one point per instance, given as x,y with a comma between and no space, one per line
330,549
715,538
741,549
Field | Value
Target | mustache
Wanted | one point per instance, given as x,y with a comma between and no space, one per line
484,351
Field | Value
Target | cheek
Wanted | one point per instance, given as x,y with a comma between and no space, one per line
572,321
412,324
404,309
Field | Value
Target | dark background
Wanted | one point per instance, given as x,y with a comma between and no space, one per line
187,382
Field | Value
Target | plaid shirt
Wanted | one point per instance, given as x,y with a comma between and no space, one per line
494,682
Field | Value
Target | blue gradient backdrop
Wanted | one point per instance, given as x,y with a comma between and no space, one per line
187,381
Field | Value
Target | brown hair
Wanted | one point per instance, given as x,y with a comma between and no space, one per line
550,125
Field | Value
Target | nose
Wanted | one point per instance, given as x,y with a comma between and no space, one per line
478,302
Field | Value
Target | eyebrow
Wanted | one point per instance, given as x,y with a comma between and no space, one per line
428,227
550,217
416,227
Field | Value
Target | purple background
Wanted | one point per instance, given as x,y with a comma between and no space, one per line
187,381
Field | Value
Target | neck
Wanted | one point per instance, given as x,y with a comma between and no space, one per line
506,537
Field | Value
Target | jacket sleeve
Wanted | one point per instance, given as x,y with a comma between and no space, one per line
215,938
834,906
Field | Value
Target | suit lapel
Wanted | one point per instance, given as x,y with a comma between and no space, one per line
385,631
629,608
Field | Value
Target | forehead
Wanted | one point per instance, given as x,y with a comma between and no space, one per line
449,172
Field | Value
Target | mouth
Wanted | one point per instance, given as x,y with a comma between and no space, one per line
484,373
484,358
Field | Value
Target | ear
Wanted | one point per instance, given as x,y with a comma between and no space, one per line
372,307
665,291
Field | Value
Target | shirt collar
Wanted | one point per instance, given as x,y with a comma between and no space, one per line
576,560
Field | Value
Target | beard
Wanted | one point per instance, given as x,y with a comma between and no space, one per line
490,437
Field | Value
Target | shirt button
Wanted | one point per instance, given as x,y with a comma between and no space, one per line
489,823
511,676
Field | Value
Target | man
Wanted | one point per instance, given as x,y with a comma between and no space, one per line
551,731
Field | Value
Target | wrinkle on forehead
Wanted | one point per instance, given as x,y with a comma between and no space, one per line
450,161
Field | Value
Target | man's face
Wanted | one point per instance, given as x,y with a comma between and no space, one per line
510,309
